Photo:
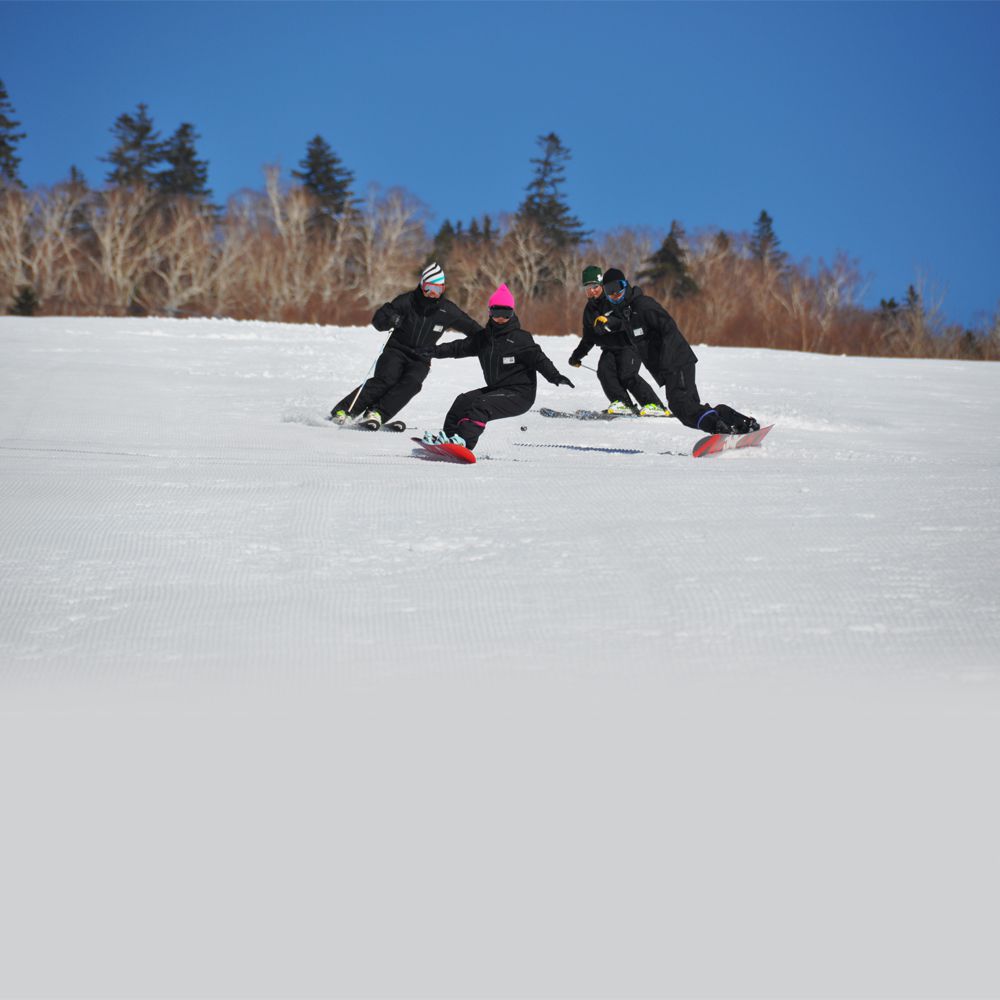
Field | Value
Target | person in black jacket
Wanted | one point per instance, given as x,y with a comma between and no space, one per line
417,319
618,368
511,362
668,355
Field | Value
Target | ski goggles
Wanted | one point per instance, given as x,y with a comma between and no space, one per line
591,285
615,289
501,312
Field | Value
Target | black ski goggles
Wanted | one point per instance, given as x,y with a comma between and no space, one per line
501,312
613,289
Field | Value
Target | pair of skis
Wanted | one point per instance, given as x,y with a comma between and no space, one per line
598,414
396,426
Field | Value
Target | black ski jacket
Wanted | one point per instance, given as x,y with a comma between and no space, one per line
646,319
421,321
607,340
509,356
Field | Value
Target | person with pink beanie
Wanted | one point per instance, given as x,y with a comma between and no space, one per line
511,362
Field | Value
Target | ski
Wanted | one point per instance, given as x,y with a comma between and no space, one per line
597,414
395,426
582,414
715,443
449,452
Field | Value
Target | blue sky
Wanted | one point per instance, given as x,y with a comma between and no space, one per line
869,128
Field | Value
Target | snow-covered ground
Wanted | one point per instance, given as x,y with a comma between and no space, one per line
287,710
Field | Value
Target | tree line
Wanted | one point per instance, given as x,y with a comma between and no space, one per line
151,240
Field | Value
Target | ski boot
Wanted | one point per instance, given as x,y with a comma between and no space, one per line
371,421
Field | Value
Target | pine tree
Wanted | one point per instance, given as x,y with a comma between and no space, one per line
443,241
184,174
323,174
9,138
545,204
668,268
765,245
25,302
137,150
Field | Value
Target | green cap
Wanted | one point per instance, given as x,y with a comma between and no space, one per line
592,275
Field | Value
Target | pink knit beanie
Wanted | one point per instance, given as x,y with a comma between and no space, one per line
502,297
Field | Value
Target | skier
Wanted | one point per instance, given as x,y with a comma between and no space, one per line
667,354
417,319
618,369
511,362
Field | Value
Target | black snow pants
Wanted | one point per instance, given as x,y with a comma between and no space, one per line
618,373
472,411
396,380
687,407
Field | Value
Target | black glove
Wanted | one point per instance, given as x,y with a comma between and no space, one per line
575,363
423,354
562,380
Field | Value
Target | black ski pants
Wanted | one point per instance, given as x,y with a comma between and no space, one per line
618,373
472,411
687,407
396,380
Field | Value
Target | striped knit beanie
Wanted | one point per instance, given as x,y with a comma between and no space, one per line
432,276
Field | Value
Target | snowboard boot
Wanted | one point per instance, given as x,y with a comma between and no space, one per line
738,422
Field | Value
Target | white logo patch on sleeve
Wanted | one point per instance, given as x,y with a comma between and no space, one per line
508,361
439,329
638,331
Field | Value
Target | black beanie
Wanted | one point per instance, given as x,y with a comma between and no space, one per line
612,275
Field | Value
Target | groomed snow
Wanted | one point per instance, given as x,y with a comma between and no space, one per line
288,710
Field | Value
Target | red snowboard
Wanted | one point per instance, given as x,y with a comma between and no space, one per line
715,443
449,452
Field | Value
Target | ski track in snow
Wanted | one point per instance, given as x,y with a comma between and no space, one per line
575,720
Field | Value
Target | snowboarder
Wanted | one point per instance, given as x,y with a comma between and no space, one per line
667,354
511,362
618,368
417,319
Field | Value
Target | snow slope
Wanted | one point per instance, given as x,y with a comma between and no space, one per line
288,710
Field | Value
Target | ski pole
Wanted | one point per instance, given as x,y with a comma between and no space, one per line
371,368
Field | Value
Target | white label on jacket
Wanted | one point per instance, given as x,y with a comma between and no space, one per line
508,361
439,329
638,331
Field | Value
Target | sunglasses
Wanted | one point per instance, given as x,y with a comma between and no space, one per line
503,312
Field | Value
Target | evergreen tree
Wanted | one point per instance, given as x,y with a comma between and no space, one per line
444,241
545,204
25,302
668,266
323,174
9,138
76,186
137,150
184,174
765,245
722,243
